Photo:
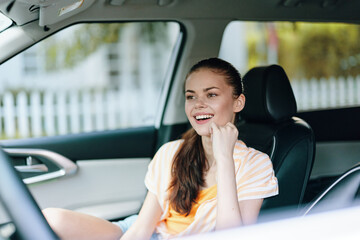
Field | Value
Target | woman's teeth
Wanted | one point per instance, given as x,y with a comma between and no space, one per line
202,117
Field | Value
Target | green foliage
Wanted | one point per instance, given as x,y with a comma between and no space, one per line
309,50
154,31
256,44
321,49
87,38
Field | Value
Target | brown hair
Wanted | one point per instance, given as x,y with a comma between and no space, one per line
190,165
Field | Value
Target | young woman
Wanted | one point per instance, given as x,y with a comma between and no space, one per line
206,181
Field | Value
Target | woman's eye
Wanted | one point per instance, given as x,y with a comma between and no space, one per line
212,95
189,97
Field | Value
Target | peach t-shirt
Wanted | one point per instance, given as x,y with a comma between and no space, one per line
177,222
254,179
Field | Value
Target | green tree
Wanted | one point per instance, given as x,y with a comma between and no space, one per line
319,50
67,52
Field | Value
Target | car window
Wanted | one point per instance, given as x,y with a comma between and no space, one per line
87,77
322,60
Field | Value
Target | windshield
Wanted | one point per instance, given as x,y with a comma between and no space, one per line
4,22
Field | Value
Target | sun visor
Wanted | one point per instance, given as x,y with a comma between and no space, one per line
53,11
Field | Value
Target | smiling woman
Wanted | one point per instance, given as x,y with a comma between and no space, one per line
206,181
206,87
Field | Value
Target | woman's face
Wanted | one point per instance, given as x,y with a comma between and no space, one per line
208,98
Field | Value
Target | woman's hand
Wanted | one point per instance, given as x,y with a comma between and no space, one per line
223,143
223,140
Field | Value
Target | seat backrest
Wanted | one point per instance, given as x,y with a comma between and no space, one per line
344,192
268,124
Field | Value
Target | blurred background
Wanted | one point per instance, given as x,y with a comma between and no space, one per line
95,77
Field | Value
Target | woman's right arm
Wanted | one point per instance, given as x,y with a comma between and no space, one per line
145,224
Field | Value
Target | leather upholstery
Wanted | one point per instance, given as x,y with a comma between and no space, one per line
344,192
269,95
268,124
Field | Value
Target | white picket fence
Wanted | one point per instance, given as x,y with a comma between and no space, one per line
76,100
73,111
57,113
326,93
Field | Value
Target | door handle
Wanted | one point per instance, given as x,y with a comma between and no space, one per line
37,168
64,166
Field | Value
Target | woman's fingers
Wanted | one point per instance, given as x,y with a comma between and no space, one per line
222,129
213,126
228,128
223,140
225,133
231,126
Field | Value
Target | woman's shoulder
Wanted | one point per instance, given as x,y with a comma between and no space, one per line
242,150
171,145
168,150
162,160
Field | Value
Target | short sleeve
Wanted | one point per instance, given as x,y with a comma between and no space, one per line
151,177
255,176
158,176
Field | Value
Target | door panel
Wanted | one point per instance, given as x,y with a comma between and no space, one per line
111,166
97,187
124,143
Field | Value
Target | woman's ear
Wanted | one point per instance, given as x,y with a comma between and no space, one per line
239,103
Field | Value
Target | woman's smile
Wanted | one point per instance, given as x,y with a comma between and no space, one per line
202,118
208,99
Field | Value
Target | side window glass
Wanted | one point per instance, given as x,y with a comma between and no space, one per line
87,77
322,60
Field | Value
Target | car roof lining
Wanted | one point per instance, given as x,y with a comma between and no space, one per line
25,11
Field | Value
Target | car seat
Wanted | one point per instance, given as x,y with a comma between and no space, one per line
268,124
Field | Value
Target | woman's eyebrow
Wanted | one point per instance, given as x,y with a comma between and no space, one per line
210,88
204,90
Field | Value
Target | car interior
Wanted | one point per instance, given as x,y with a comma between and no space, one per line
344,192
99,104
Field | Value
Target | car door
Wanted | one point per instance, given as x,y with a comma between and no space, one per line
82,113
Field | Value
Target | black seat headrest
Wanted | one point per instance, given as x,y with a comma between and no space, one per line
269,96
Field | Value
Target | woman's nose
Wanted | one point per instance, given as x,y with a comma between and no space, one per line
200,103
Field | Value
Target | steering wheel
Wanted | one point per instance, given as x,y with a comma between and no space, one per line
20,205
